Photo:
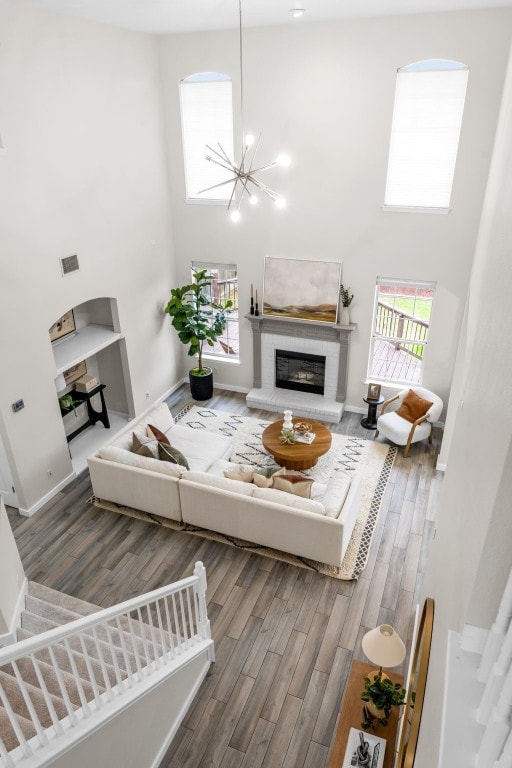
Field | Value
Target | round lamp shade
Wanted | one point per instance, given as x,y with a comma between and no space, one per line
383,646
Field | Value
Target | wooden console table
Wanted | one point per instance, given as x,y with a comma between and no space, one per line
351,716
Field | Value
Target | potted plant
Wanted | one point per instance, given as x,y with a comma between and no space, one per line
346,300
381,694
197,320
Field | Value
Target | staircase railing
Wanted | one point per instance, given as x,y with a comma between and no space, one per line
122,646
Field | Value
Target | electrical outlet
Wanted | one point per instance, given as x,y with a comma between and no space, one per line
147,395
48,473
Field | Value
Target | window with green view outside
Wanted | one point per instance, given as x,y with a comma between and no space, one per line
224,286
401,321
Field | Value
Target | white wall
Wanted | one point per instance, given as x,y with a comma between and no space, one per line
85,173
470,556
324,93
12,575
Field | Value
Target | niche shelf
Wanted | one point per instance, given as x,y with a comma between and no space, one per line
83,343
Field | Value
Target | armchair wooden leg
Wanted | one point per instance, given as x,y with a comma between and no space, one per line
430,436
377,433
409,441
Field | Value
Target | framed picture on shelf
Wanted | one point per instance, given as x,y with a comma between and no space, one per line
75,372
373,391
63,326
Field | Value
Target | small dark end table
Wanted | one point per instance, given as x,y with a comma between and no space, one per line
370,421
92,415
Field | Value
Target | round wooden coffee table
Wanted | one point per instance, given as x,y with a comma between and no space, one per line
296,455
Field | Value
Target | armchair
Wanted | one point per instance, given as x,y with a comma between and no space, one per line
402,431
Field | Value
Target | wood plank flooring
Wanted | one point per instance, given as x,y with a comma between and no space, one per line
284,637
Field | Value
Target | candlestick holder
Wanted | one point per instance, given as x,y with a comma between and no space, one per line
256,310
252,306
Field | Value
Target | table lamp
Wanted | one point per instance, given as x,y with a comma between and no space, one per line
384,647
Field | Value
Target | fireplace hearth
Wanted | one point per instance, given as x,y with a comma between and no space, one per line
300,371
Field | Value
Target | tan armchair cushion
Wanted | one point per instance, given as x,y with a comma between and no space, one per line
413,407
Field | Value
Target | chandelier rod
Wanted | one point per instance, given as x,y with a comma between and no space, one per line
241,75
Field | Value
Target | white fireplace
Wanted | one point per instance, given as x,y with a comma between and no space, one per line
311,338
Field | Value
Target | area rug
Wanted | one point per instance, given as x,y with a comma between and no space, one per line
372,460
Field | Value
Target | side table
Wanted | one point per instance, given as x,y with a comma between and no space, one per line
370,420
351,714
92,415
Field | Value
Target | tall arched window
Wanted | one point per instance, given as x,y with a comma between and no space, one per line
206,118
427,118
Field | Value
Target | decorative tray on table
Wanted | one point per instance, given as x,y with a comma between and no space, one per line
303,432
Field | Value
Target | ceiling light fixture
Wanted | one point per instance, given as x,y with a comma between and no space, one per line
296,12
244,174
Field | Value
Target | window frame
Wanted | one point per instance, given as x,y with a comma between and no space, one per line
208,353
422,67
397,382
202,78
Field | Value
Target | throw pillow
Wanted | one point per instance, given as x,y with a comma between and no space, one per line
168,453
261,481
157,434
298,485
144,446
244,474
413,407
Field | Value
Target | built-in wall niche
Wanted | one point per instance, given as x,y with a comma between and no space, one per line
87,339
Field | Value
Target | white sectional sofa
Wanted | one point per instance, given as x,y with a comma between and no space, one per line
318,528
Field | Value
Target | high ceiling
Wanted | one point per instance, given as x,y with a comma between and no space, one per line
176,16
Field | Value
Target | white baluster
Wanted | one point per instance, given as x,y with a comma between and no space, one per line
41,735
90,672
6,758
47,697
125,653
135,644
169,628
162,634
496,678
204,623
104,670
158,662
62,686
176,623
25,748
144,642
190,616
78,679
183,619
113,654
498,727
496,633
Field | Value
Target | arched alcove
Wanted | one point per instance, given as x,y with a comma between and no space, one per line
92,376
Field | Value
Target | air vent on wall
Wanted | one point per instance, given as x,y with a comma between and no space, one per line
69,264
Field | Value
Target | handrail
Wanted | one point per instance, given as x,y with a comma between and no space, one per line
122,647
38,642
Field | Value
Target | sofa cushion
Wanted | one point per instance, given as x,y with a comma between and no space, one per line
171,454
222,483
289,500
201,448
157,434
291,482
122,456
336,492
261,481
160,416
143,445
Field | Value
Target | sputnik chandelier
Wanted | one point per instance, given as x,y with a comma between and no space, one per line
244,174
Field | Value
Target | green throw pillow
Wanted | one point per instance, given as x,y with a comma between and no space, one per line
168,453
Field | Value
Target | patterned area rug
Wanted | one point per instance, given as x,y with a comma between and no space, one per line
373,460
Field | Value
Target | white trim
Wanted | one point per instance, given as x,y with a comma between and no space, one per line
473,639
414,209
441,467
42,501
356,409
180,717
233,388
205,201
10,637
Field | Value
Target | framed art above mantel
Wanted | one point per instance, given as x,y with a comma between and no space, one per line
301,289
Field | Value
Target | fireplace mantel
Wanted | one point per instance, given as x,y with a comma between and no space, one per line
304,329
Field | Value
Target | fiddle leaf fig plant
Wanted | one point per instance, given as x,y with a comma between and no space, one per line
381,694
197,318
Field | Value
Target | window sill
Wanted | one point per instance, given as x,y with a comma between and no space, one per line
414,209
205,201
223,360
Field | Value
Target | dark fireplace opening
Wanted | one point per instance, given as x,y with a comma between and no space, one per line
300,371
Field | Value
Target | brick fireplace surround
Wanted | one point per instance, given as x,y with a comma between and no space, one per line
333,341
